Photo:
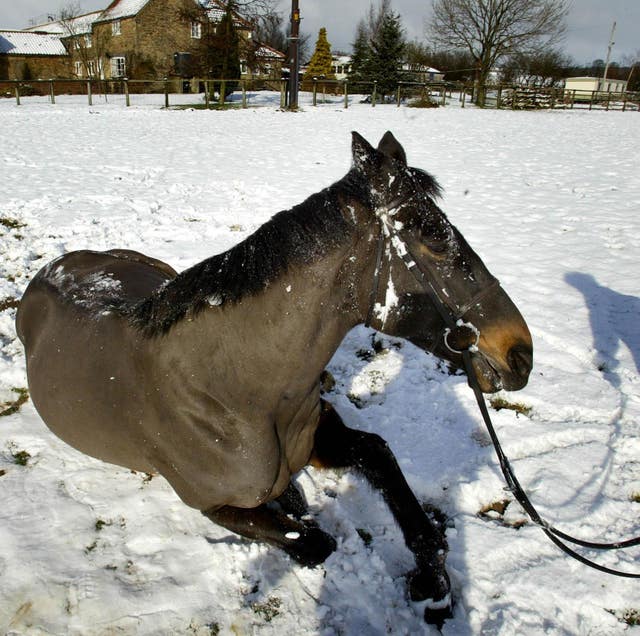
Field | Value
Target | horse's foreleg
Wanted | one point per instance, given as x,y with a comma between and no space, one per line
337,446
305,543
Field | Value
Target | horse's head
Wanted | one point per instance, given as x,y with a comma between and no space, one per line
428,279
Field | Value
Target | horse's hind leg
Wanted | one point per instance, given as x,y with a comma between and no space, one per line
305,543
337,446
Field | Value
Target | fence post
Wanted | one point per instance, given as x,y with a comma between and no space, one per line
315,91
206,94
399,94
166,92
89,95
223,90
444,95
464,94
499,98
52,92
244,93
374,95
17,93
283,92
346,94
127,101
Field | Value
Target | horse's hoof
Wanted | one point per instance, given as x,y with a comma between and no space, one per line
438,615
311,547
433,588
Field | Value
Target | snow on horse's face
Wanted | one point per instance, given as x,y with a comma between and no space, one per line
404,200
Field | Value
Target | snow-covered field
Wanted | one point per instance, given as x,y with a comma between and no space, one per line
550,200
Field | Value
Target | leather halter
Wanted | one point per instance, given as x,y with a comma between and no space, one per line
433,285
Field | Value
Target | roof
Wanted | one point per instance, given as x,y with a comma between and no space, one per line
122,9
595,79
30,43
266,51
79,25
215,11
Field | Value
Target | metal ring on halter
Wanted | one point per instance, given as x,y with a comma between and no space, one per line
471,347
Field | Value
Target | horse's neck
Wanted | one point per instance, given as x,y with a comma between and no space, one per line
285,335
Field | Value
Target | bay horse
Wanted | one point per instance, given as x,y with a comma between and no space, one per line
211,377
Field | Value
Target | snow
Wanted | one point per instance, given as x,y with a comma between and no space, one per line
549,200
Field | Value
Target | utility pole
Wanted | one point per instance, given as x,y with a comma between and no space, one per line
606,65
294,58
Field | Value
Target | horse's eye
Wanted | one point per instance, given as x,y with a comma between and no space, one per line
435,239
437,246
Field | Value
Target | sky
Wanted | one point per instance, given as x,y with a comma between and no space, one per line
589,21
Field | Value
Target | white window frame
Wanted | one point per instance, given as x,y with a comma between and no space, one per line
79,69
88,41
118,66
116,27
91,70
196,30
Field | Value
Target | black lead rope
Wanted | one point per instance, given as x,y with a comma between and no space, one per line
451,319
557,536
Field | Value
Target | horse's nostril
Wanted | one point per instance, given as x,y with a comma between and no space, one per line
520,359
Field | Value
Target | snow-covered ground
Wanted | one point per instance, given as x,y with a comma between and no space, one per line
550,200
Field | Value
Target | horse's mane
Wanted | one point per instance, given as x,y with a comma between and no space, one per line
295,236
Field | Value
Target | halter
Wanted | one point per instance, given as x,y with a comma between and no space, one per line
434,286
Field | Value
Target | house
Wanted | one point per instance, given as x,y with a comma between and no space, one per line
421,73
28,55
341,65
142,39
584,86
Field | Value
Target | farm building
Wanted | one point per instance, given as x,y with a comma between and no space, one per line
139,39
28,55
586,85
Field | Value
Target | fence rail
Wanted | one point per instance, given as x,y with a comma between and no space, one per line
216,91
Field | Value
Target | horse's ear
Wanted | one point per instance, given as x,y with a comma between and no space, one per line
363,152
391,147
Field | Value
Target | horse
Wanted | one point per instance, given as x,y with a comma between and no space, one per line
212,377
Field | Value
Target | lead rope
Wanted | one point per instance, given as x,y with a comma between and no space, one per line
452,321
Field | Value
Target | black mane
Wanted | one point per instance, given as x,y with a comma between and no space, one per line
295,236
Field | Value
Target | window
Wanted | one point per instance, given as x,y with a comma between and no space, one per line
116,27
118,67
91,68
78,69
196,30
88,42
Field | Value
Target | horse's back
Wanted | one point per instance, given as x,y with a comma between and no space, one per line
89,282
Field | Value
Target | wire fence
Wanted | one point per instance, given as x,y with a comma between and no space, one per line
210,93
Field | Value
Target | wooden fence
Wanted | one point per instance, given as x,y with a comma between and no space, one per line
321,91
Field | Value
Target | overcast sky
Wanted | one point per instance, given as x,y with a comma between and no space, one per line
589,21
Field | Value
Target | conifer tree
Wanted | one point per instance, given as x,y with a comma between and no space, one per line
224,51
361,58
387,50
321,62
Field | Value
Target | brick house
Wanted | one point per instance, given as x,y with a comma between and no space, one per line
150,39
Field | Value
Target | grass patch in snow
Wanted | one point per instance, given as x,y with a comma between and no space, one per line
11,224
635,497
9,408
629,616
269,609
21,457
9,303
499,403
498,511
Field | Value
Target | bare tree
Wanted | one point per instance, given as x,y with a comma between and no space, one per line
85,47
493,29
